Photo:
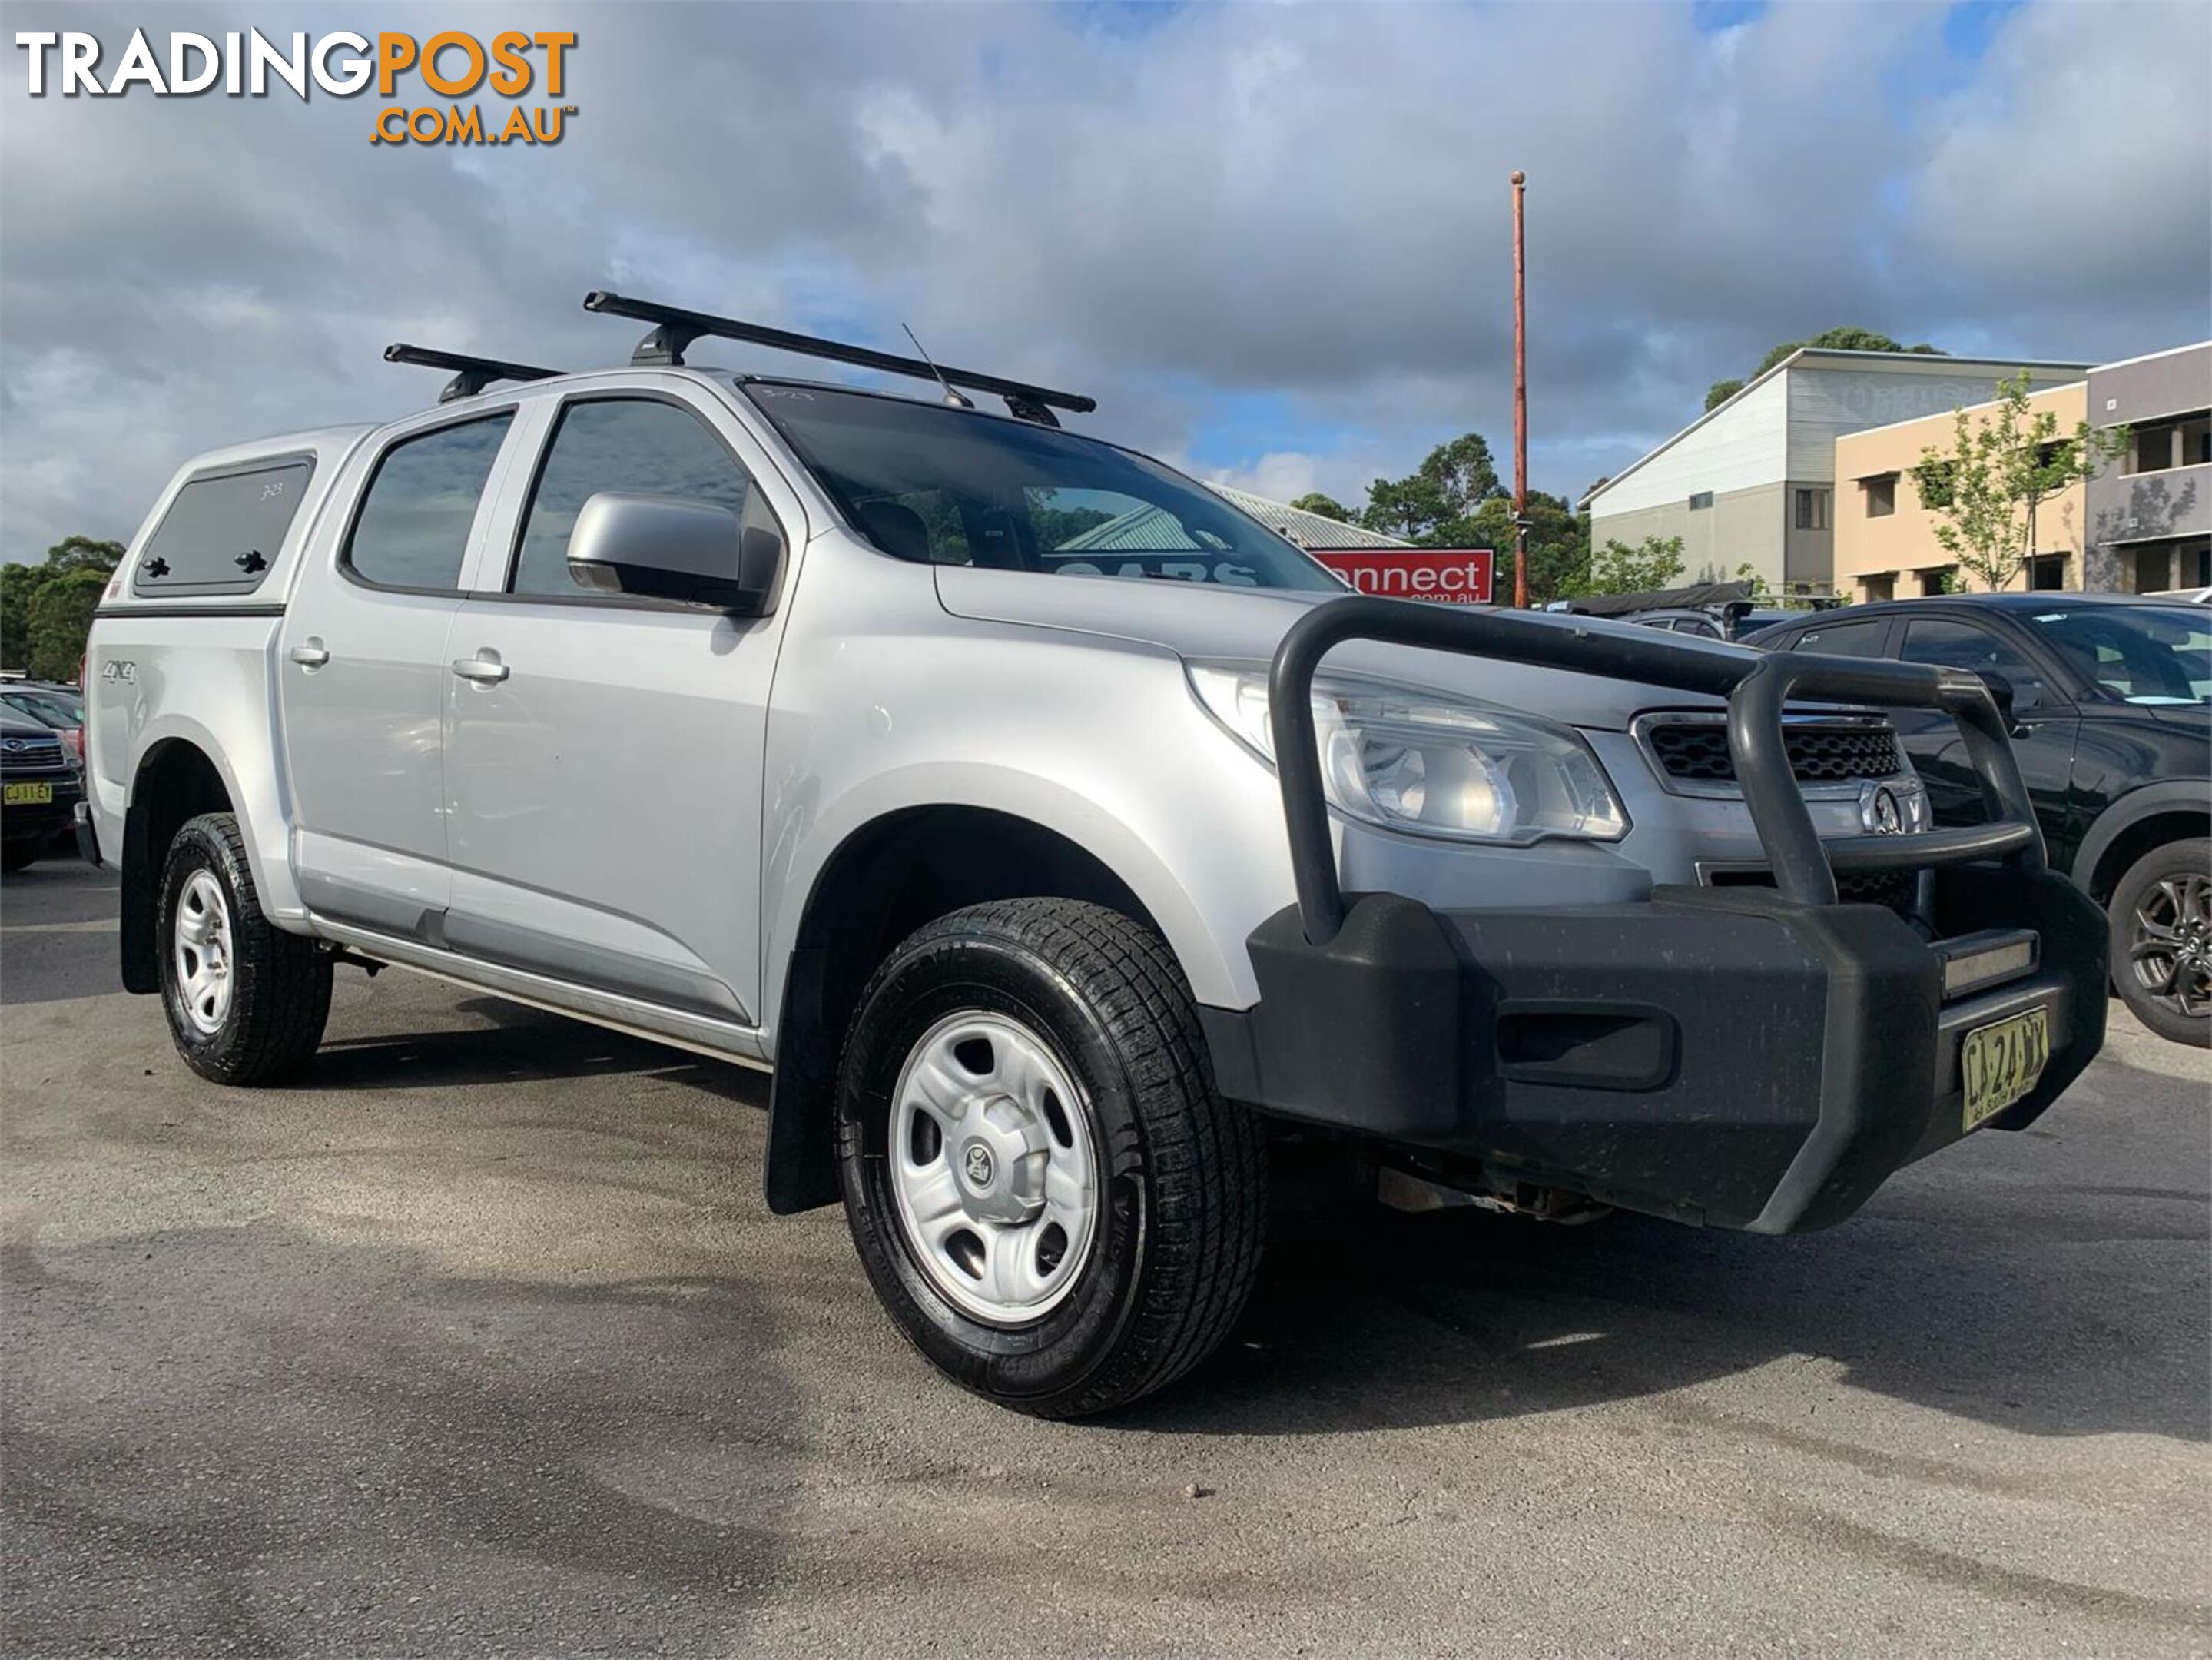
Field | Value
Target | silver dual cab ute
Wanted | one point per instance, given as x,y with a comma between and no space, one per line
1059,837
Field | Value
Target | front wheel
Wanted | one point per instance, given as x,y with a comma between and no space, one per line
1048,1194
2161,915
246,1002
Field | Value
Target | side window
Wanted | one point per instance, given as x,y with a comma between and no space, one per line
634,445
222,534
1964,645
413,529
1845,639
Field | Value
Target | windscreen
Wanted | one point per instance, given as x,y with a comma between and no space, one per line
944,486
2139,653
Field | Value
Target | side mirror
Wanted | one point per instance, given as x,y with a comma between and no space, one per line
2001,695
656,547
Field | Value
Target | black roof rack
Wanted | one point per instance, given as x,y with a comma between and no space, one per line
674,329
472,375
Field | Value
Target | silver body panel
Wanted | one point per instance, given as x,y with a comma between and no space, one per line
629,825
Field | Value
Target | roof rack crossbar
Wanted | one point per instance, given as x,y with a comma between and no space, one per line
675,329
472,375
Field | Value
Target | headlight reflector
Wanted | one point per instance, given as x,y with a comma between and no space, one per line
1406,758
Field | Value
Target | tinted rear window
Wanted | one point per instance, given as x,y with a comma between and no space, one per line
1845,639
223,532
412,531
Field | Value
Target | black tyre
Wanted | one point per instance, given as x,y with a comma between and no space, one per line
16,855
1049,1195
2161,915
246,1002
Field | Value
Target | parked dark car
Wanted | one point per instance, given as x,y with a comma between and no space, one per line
2112,702
61,707
38,790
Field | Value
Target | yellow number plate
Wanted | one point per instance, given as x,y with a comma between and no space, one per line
26,795
2000,1063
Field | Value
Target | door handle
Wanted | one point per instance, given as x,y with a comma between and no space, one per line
309,654
484,668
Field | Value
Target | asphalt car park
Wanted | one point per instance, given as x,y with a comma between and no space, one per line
485,1340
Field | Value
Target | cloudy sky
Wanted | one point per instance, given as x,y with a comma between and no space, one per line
1272,240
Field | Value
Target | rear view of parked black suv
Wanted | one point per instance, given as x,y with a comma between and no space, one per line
2111,722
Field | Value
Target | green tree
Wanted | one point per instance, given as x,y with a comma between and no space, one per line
1846,339
61,619
1616,567
45,610
1327,506
1559,546
1985,489
1435,504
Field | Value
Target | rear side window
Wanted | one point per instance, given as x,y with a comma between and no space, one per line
223,532
633,445
413,528
1845,639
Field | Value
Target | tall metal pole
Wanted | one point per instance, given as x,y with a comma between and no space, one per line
1520,400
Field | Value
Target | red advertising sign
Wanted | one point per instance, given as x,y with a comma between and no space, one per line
1450,576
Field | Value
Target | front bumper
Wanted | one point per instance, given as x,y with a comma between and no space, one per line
44,822
1759,1058
1719,1055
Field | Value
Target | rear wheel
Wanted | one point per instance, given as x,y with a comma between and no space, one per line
2161,915
17,856
246,1002
1049,1195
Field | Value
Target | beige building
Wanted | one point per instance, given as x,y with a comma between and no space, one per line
1886,545
1753,481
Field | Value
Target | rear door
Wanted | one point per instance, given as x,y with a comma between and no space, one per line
604,754
361,672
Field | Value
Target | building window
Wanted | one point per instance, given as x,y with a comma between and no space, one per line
1880,494
2154,568
2184,441
1940,579
1812,509
2196,562
2047,570
1873,589
1702,499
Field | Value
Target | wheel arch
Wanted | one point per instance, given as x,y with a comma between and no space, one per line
885,879
176,780
2141,819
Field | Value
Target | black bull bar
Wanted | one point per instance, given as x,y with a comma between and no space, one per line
1757,688
1744,1057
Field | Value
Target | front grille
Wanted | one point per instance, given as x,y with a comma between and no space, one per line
1821,752
32,754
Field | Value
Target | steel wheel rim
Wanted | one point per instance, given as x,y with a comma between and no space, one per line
2170,954
203,952
993,1168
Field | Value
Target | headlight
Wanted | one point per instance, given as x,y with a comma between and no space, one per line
1408,759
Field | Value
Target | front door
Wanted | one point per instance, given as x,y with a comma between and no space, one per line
362,674
2043,724
604,755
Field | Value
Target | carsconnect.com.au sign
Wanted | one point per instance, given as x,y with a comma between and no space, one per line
454,65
